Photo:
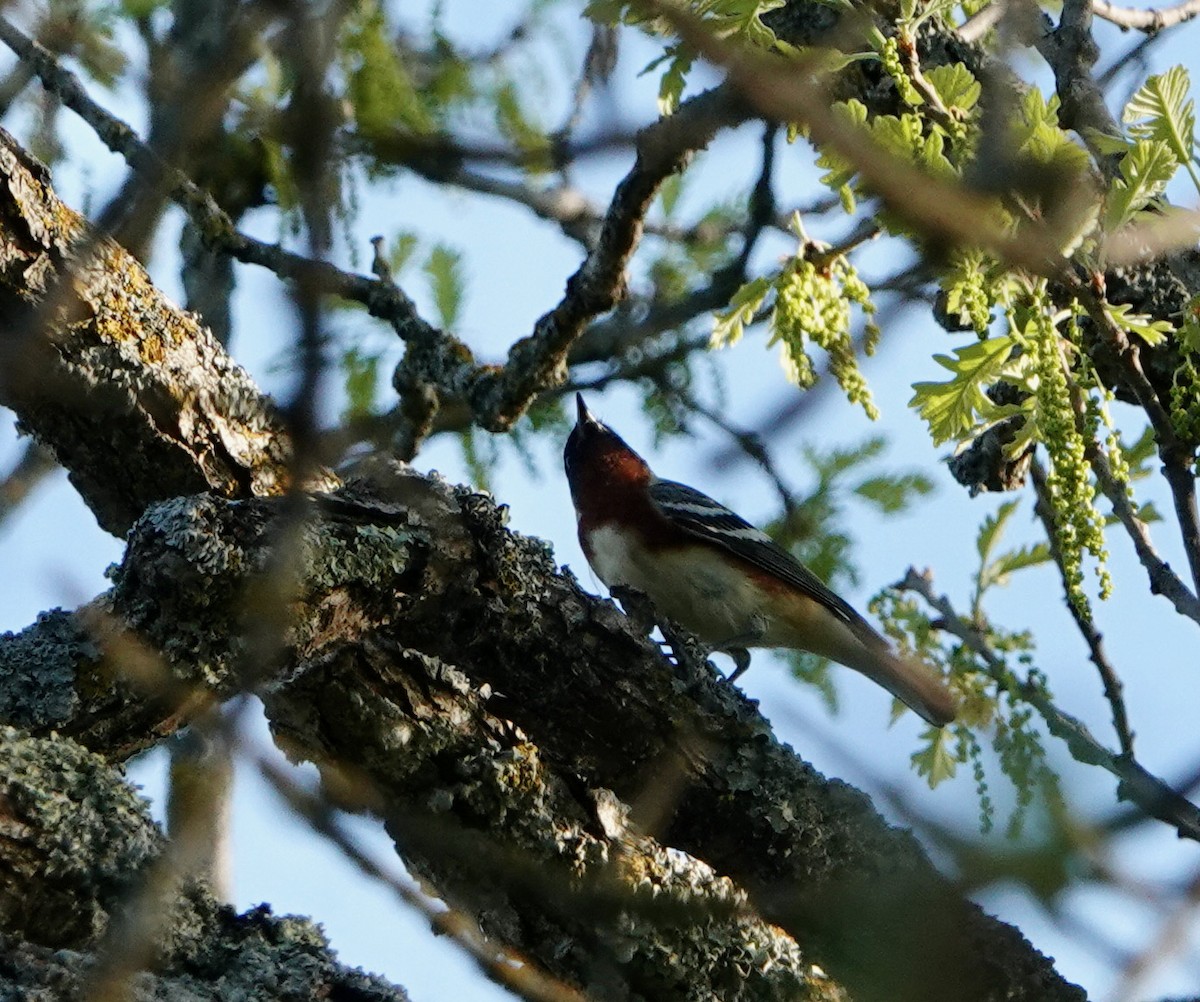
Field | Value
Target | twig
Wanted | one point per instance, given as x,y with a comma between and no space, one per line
933,100
1172,939
35,464
538,362
977,25
598,64
1044,509
748,441
1150,21
1163,580
1135,784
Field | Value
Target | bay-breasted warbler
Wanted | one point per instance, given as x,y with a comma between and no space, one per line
713,573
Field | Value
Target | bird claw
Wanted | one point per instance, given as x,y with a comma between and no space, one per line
637,607
741,661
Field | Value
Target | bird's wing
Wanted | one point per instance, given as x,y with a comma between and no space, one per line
700,516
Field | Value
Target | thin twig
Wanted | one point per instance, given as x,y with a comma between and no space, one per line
749,442
1136,784
35,464
1163,580
1044,509
1172,939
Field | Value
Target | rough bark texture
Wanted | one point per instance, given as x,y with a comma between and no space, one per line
75,845
485,705
135,398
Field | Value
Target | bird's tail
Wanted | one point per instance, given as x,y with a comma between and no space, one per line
913,683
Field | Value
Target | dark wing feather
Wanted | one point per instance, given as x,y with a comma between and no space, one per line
699,515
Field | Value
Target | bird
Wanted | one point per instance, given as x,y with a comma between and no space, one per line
710,571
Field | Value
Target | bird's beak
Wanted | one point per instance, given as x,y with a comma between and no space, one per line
584,415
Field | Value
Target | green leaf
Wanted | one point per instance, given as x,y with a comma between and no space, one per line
729,325
992,529
741,19
950,408
141,8
956,86
1109,145
1189,331
1145,171
891,494
674,79
669,194
1161,109
1151,331
516,125
404,245
997,573
934,9
381,92
937,760
839,172
444,269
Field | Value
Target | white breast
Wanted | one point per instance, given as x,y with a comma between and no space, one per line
696,588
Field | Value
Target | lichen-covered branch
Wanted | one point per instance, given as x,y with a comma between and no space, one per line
132,395
446,663
78,843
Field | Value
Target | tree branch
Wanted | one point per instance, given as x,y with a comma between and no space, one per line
498,397
1135,784
393,592
110,375
35,464
1151,20
79,841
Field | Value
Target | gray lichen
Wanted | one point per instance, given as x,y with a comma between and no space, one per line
76,846
38,670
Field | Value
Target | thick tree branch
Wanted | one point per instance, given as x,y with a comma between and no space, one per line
394,593
1072,52
110,375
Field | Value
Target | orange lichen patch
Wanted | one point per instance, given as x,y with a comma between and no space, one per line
151,349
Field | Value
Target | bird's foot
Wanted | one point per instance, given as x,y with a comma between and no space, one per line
741,661
685,650
637,607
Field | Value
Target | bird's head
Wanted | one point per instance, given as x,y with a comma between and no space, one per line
597,458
